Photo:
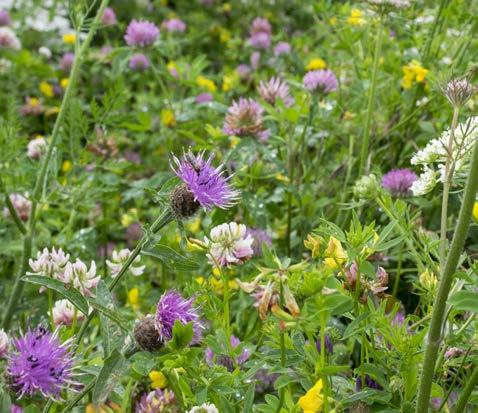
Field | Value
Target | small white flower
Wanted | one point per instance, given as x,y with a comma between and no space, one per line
229,244
22,205
8,39
45,52
49,264
425,183
64,313
118,259
204,408
4,343
82,278
36,147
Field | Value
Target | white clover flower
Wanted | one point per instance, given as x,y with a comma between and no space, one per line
229,244
8,39
4,343
50,264
433,157
204,408
36,147
82,278
118,260
65,312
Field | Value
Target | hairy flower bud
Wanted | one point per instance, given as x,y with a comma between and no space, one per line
145,334
459,91
183,203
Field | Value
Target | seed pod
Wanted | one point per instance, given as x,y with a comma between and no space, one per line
146,335
183,203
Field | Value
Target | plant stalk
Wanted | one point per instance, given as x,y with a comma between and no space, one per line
466,392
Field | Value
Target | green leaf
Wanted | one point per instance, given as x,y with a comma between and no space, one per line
182,335
110,333
112,315
465,301
171,258
30,409
71,294
109,374
249,398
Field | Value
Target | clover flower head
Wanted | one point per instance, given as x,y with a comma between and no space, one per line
139,62
5,19
119,258
40,363
156,401
260,25
282,48
64,312
203,185
8,39
323,81
204,98
174,25
244,117
50,264
399,182
275,89
22,205
82,278
141,33
109,17
229,244
260,40
172,307
36,147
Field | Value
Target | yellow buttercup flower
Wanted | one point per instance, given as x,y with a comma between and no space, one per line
413,72
64,82
355,18
168,118
46,89
475,211
66,166
313,400
69,38
316,64
158,379
133,297
206,83
335,254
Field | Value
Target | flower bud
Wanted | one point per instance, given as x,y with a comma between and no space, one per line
459,91
146,336
428,280
182,202
367,187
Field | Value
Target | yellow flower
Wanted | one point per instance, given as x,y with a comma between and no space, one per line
428,280
66,166
69,38
281,177
158,379
218,285
228,81
168,118
46,89
52,111
226,8
133,297
333,21
129,217
313,400
34,102
475,211
413,72
224,35
312,243
64,82
355,18
194,225
200,280
234,141
334,253
206,83
316,64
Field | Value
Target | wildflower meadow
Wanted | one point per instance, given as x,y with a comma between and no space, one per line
212,206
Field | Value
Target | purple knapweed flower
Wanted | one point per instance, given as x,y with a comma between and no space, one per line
204,98
259,237
329,346
141,33
227,361
369,382
156,401
40,363
109,17
66,62
207,185
173,306
282,48
174,26
275,89
5,19
399,182
243,118
138,62
322,81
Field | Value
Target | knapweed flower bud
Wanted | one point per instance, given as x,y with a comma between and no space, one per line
459,91
183,202
367,187
145,334
4,343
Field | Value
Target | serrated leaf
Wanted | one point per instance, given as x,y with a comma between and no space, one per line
71,294
113,316
182,335
171,258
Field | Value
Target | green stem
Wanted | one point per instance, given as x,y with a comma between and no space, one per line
465,394
371,95
42,175
323,322
226,310
446,186
78,398
13,212
431,35
446,279
282,351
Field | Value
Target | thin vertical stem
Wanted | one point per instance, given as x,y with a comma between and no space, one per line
370,106
446,279
466,392
282,351
13,212
322,361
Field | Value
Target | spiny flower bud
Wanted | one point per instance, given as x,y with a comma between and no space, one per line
145,334
183,203
459,91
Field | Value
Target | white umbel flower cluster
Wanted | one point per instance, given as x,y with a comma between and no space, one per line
229,244
433,157
118,259
204,408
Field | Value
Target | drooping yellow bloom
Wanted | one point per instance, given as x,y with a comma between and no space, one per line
158,379
46,89
64,82
69,38
313,400
413,72
475,211
133,298
355,18
334,254
206,83
168,118
316,64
